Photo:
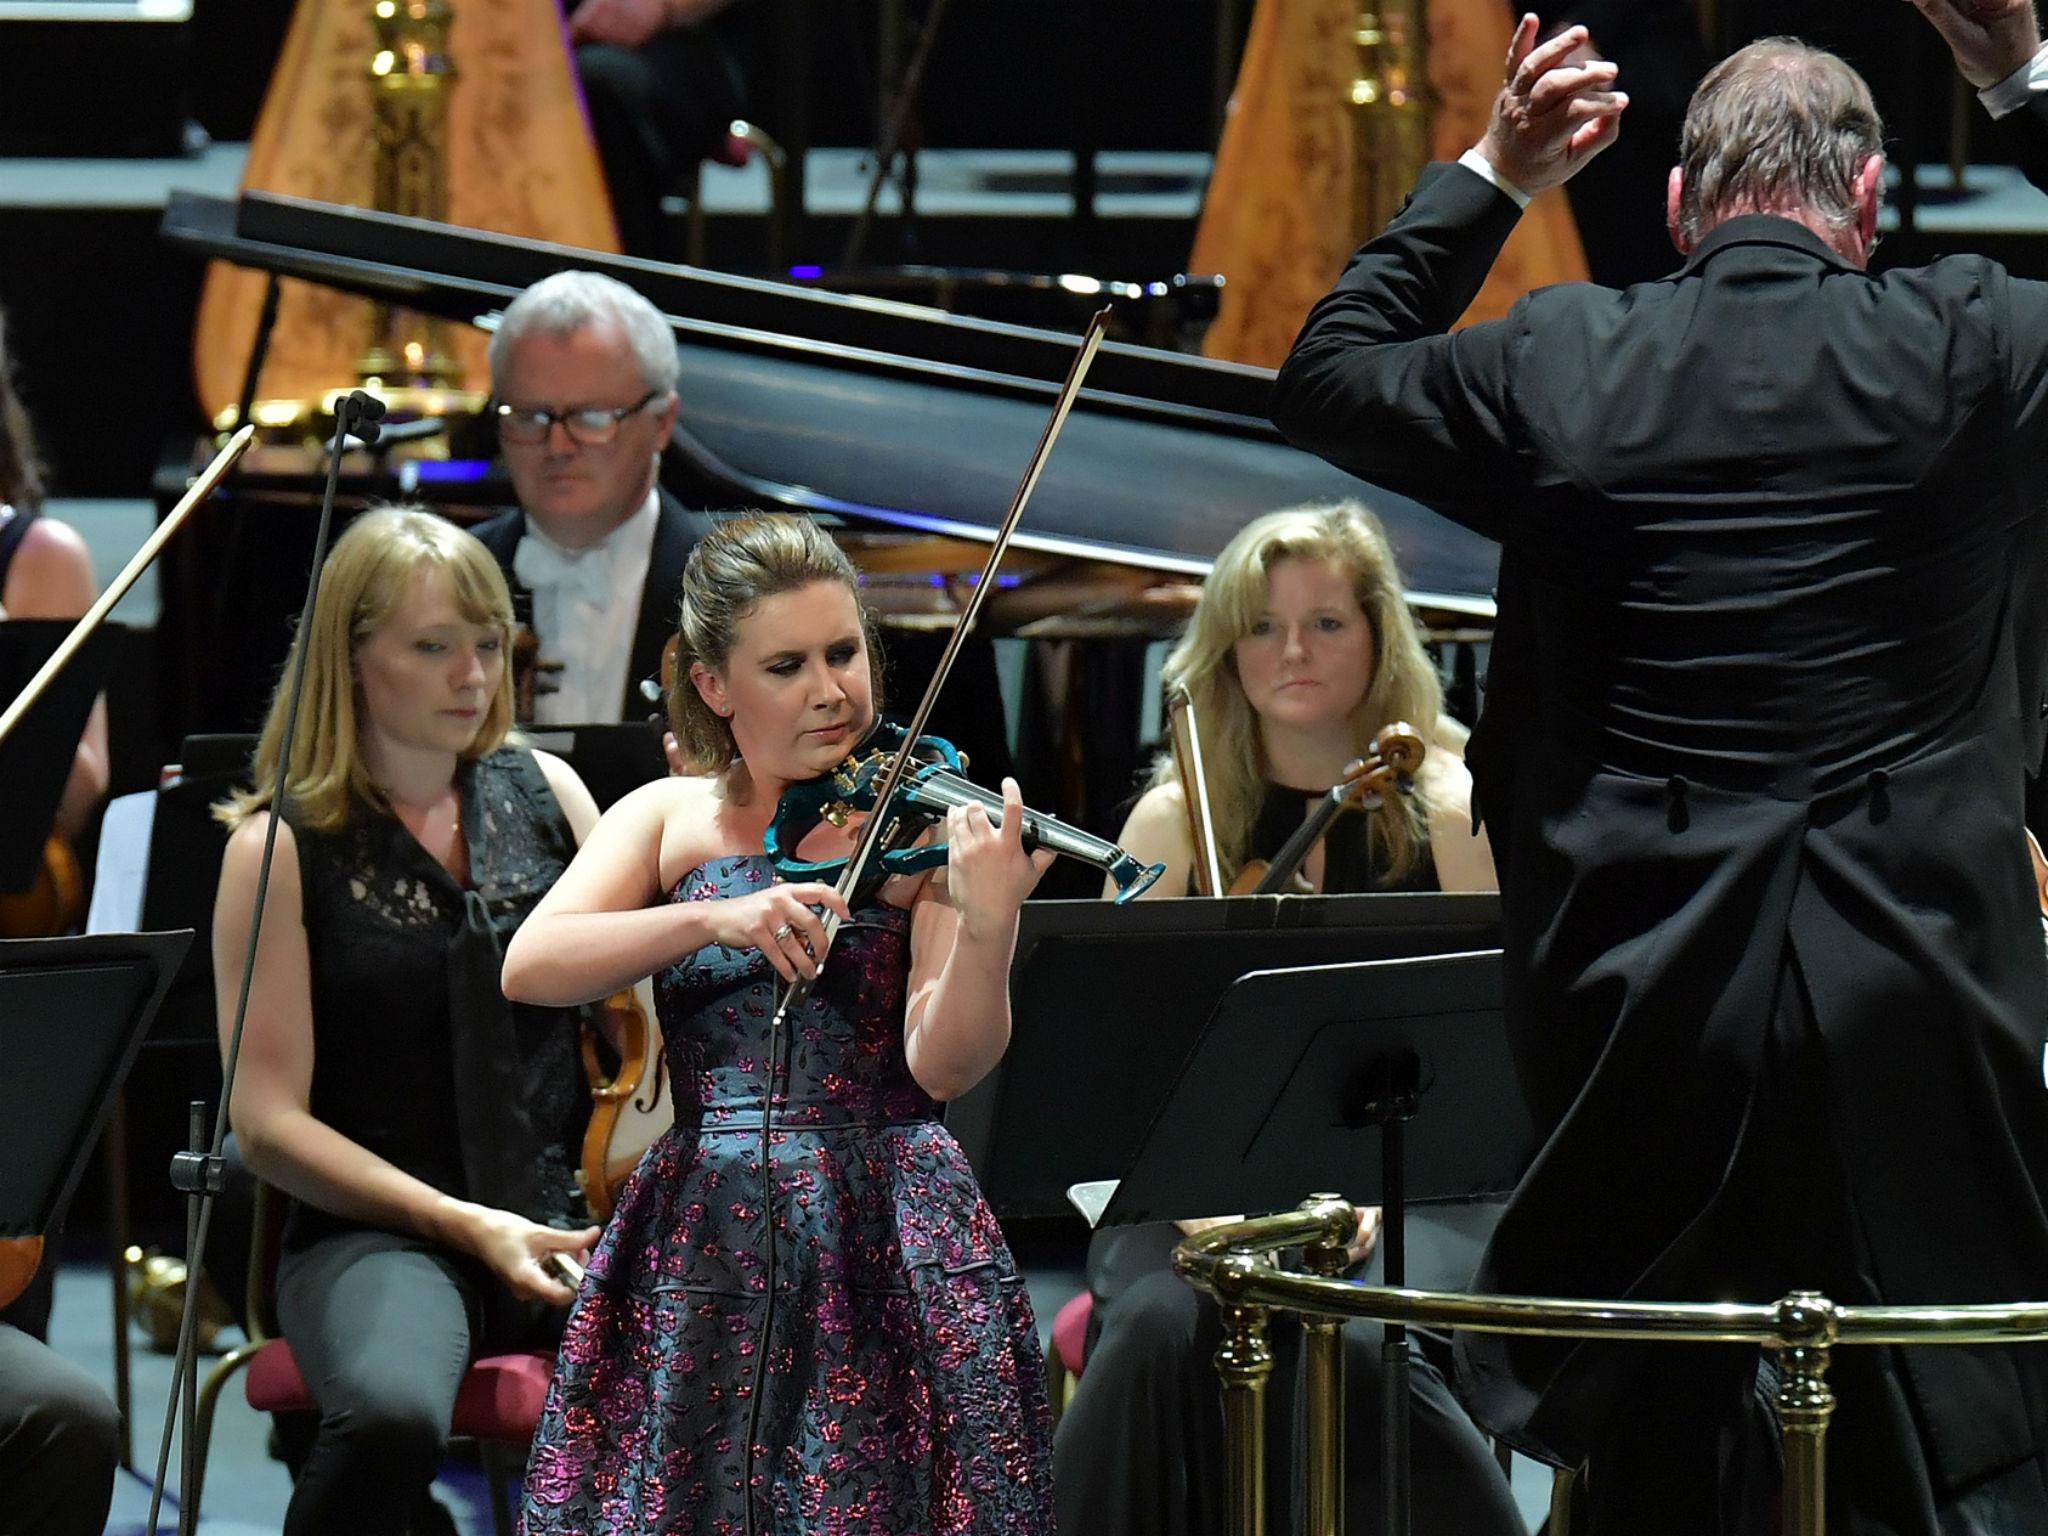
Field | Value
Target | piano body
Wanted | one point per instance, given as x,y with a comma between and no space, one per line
906,425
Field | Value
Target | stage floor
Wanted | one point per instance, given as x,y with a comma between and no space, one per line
1031,184
951,183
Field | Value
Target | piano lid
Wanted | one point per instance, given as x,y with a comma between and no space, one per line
885,412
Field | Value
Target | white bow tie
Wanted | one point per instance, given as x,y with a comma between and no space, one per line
541,566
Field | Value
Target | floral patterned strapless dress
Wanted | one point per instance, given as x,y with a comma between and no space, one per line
890,1382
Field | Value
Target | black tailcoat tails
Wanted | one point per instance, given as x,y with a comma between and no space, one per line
1766,678
676,533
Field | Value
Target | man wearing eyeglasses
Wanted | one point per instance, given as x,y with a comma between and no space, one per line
584,372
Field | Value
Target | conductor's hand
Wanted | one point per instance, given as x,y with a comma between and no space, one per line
1557,110
512,1246
988,873
780,923
1990,38
628,23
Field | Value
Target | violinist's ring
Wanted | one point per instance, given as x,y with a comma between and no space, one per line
784,931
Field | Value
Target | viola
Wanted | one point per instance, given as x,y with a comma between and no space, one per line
1389,769
20,1257
933,784
54,904
627,1108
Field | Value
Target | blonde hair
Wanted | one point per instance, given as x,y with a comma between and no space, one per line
741,561
363,581
1404,681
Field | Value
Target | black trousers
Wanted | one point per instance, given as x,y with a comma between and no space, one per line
1691,1447
383,1328
59,1443
1140,1449
656,112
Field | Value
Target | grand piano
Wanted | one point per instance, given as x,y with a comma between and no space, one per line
906,425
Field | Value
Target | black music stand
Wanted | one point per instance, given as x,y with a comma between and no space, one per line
1307,1080
72,1016
36,757
1107,1001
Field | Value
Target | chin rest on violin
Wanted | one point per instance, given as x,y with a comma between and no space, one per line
934,785
1390,767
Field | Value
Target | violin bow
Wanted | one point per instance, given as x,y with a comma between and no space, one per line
201,488
873,829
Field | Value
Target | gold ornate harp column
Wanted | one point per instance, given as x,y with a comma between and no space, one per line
411,75
519,160
1390,107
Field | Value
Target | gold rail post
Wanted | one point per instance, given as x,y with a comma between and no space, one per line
1244,1360
1808,1324
1322,1363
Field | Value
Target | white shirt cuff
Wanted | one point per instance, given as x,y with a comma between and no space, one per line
2019,87
1479,165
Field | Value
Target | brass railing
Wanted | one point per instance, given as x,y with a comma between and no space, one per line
1234,1264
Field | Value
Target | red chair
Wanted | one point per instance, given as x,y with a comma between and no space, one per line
743,140
1069,1345
497,1406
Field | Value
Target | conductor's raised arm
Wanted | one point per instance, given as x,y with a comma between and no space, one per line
1375,383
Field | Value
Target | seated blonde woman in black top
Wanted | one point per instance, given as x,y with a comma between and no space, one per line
1301,649
425,1127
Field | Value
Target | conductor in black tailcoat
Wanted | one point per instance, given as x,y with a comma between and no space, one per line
1766,680
584,370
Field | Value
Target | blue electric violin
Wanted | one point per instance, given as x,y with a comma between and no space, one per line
932,783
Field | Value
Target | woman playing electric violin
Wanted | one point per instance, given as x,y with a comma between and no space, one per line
856,1351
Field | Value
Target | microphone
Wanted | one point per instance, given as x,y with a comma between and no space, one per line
364,411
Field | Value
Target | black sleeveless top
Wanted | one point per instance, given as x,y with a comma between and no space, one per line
13,527
1350,863
417,1054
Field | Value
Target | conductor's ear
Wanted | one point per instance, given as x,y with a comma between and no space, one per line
1869,199
1674,198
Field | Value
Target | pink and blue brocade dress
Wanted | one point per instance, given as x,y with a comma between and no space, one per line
891,1381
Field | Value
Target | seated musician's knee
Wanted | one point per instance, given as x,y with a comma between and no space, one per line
384,1425
1152,1327
73,1430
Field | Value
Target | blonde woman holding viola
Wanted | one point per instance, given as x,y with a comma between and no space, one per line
1301,650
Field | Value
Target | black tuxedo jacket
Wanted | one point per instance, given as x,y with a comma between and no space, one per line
1765,681
676,533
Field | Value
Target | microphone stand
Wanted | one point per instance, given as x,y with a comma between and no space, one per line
197,1173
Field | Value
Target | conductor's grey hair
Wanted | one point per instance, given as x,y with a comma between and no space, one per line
565,302
1778,126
